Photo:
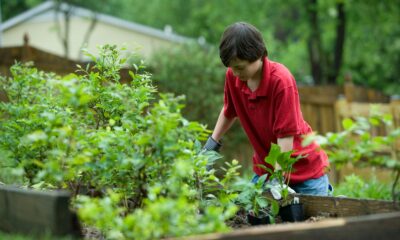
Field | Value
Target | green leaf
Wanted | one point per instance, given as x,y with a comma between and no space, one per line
273,154
347,123
262,202
274,208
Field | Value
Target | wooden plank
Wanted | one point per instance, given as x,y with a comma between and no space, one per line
371,227
395,109
327,119
343,206
36,212
318,99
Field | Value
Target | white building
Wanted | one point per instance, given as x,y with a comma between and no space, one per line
45,23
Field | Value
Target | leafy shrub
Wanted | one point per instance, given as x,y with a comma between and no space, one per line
354,186
134,162
355,144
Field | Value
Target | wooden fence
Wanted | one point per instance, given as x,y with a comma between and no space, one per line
319,108
42,60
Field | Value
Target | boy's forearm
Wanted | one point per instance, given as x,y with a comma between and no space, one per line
222,126
286,143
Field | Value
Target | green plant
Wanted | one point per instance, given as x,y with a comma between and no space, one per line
355,186
253,197
135,160
357,145
253,200
281,174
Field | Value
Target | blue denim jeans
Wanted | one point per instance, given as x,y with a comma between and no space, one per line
318,186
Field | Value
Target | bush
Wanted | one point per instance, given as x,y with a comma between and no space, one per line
354,186
197,73
357,145
133,162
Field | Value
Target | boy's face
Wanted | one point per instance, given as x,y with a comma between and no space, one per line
244,69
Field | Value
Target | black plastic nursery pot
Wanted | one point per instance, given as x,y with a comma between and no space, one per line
254,220
292,213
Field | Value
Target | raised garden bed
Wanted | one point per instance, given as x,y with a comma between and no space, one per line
34,212
375,226
39,212
328,218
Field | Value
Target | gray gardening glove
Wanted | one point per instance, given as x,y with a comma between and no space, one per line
211,146
276,188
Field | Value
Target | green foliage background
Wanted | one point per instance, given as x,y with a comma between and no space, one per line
372,40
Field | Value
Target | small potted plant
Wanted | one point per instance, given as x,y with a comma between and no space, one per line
290,211
260,208
293,212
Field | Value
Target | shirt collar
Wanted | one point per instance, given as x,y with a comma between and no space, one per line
262,89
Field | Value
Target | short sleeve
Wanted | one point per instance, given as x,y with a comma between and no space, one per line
229,107
287,121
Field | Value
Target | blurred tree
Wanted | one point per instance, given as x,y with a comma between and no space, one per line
11,8
320,41
325,63
331,38
372,56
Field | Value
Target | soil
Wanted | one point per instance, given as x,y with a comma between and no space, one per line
240,220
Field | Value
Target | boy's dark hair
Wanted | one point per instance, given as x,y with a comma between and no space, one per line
241,40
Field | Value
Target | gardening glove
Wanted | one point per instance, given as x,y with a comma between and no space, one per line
211,145
276,188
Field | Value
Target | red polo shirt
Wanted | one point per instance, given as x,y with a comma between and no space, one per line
273,111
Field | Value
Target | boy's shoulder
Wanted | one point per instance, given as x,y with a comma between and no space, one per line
280,76
279,70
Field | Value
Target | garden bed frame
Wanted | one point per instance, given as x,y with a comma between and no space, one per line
34,212
346,218
47,212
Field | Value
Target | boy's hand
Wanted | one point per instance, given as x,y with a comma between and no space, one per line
212,145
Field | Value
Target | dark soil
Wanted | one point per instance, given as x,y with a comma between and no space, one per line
240,220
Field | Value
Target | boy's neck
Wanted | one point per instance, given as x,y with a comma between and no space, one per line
253,82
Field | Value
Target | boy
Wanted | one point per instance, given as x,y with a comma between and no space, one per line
263,95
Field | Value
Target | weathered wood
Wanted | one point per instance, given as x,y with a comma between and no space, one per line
346,218
36,212
318,99
371,227
343,206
